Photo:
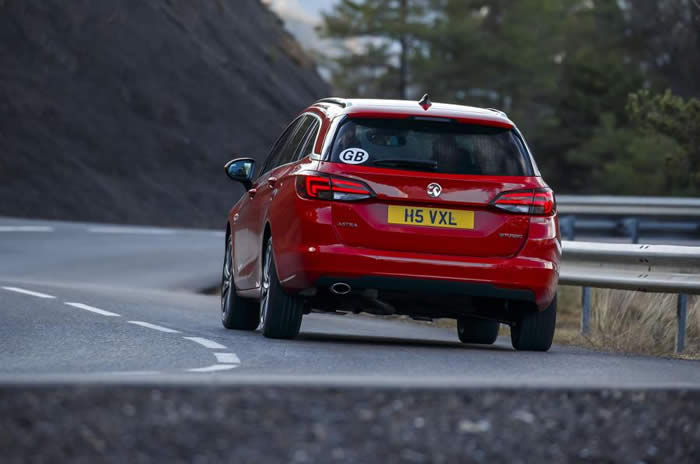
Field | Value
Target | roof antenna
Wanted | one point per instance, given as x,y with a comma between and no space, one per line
425,102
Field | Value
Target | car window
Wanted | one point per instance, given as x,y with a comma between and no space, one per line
438,146
292,147
308,144
278,147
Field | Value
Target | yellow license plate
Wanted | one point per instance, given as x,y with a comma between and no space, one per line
431,217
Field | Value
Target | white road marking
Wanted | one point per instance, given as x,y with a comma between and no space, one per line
26,229
130,230
207,343
214,368
159,328
227,358
92,309
28,292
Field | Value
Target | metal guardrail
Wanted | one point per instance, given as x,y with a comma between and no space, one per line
646,268
604,205
628,214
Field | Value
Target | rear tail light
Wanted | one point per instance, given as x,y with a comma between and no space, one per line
544,203
322,187
538,202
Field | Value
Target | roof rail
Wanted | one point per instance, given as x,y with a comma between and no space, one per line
334,101
502,113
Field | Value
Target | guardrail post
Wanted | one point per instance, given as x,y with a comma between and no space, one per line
681,317
631,226
586,310
567,226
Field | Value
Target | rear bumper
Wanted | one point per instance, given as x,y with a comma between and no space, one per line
523,277
428,286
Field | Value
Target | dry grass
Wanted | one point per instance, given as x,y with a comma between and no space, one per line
622,321
630,322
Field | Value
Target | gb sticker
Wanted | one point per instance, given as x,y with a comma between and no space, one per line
354,156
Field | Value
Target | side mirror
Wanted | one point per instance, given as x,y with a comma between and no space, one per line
241,170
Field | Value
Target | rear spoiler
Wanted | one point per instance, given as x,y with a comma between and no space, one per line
485,121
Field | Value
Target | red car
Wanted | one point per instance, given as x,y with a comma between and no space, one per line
395,207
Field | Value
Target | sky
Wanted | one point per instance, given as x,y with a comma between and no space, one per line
301,16
301,9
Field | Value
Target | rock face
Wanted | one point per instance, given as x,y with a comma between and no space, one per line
126,111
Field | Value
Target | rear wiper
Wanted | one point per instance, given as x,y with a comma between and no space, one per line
427,165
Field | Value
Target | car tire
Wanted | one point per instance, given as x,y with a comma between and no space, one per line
475,330
236,312
535,330
280,313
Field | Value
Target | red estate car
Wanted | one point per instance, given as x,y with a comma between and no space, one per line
395,207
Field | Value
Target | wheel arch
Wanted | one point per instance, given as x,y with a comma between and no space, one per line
267,233
228,237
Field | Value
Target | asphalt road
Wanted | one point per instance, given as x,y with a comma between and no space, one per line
110,302
109,353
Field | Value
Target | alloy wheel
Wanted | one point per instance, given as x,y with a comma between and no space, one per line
226,279
265,301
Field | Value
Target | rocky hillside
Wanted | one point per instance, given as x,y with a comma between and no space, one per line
126,111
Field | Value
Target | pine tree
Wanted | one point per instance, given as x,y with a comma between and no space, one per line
375,38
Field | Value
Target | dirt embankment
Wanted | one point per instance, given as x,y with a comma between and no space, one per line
126,111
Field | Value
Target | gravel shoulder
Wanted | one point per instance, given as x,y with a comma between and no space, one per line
298,424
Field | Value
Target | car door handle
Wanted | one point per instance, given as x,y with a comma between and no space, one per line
252,192
272,181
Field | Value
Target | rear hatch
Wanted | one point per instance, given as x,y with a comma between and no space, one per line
433,185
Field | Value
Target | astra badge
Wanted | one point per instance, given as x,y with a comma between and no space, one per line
434,190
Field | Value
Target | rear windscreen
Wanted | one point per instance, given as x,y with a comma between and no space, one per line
438,146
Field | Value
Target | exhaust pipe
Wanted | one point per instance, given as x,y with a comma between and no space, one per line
340,288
